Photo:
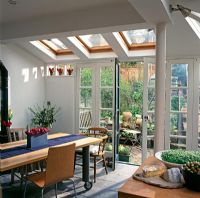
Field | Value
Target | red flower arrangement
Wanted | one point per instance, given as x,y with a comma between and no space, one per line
60,71
51,70
37,131
7,123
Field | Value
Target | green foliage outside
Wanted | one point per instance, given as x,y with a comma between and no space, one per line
131,92
124,150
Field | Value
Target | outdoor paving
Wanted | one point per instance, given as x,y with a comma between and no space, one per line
105,187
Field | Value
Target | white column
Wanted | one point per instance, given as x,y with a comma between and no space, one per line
160,86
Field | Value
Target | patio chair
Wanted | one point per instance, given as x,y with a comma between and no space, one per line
59,167
97,151
85,120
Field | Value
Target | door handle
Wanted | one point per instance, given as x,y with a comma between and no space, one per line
145,118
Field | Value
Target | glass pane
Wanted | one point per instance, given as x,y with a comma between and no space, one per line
106,119
178,128
199,132
85,119
86,76
106,98
199,101
151,74
179,75
139,36
178,123
94,40
151,99
106,76
58,43
150,134
55,44
85,97
179,99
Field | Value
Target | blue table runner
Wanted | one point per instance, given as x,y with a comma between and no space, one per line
19,150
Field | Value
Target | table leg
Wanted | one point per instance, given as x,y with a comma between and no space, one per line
86,168
1,193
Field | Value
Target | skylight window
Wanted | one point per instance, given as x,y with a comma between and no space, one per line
139,39
94,43
56,46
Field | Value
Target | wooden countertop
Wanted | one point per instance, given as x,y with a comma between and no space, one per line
138,189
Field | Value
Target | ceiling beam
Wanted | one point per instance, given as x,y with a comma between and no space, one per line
115,45
78,50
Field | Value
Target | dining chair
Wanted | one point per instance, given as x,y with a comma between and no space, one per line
16,134
59,167
97,152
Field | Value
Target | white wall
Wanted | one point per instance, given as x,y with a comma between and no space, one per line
27,86
60,91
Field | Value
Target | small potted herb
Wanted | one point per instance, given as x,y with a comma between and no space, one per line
124,153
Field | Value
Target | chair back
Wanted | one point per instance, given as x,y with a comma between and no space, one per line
85,119
102,144
15,134
97,131
60,164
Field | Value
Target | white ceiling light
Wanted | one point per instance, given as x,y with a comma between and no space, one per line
193,18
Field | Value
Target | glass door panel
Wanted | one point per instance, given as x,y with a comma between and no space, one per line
149,116
131,103
178,105
106,98
85,98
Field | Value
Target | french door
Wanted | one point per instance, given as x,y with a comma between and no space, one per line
95,98
148,118
183,104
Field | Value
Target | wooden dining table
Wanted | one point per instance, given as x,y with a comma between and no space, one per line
138,189
41,154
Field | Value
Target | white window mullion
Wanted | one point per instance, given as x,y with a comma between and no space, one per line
77,96
97,94
190,107
195,114
168,104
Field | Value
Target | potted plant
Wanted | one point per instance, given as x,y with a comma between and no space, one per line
108,154
70,70
124,153
60,71
51,71
44,116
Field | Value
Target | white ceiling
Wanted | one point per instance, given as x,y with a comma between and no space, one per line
39,8
50,18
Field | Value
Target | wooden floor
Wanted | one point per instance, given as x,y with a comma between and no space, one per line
105,187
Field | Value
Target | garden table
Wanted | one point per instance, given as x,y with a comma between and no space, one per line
41,154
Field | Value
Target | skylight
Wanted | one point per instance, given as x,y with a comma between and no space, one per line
139,39
94,43
56,46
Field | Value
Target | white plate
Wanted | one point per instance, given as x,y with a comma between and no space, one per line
168,164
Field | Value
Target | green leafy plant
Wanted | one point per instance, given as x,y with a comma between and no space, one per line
180,156
124,150
44,116
108,147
